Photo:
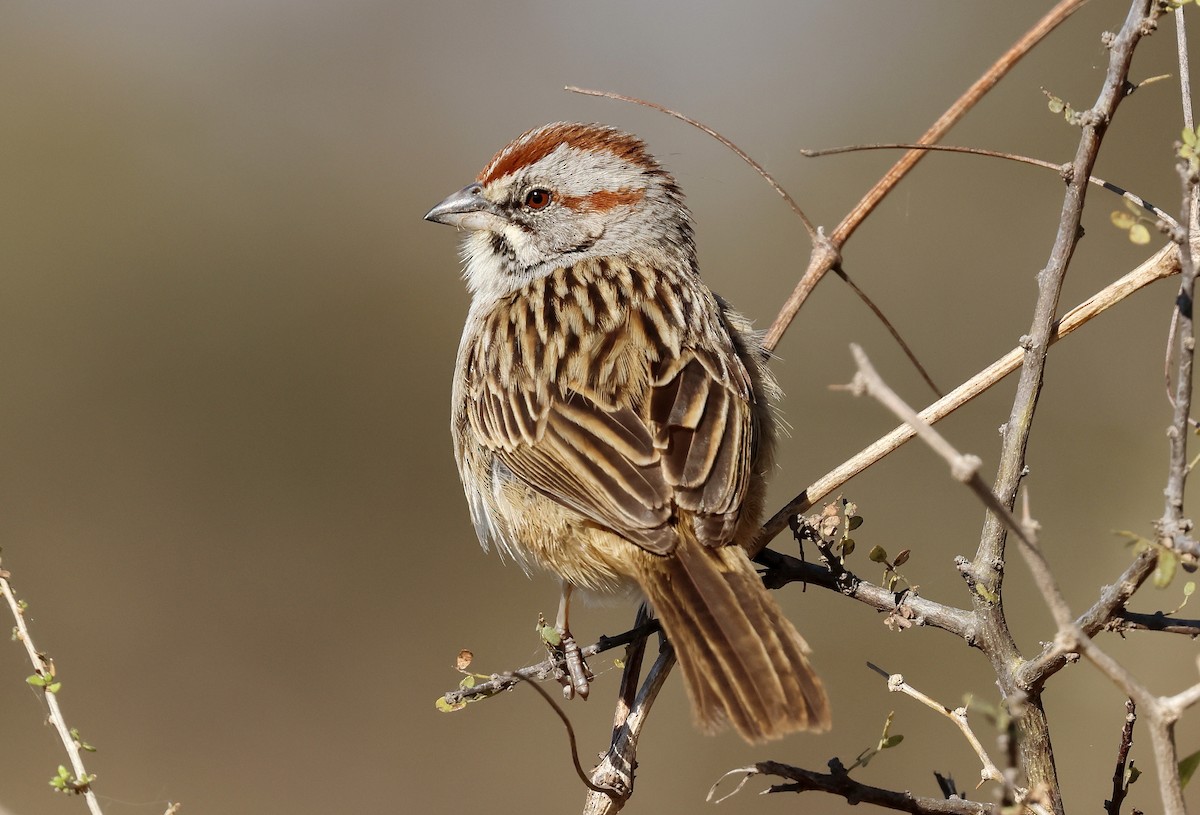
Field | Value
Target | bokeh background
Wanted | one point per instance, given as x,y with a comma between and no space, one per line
226,342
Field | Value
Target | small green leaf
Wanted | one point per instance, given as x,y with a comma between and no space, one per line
1132,774
1189,137
1189,588
1123,220
1187,768
891,741
1133,539
467,682
550,635
448,707
83,745
878,554
37,680
53,687
902,558
62,781
853,522
1056,104
847,547
620,663
1164,571
1139,234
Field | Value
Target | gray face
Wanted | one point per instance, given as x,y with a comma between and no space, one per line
569,202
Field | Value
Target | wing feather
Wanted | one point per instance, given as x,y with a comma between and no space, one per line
629,433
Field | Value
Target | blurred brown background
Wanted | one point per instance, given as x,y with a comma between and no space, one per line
226,339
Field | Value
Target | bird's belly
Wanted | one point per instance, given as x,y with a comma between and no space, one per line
556,539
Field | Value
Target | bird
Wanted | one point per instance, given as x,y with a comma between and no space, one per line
613,418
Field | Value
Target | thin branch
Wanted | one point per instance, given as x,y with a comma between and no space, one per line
964,468
783,569
825,256
821,245
1037,342
979,151
891,329
1173,526
615,770
557,708
545,669
758,168
1163,263
81,782
1033,673
989,771
838,782
1133,621
1185,72
1181,701
1120,786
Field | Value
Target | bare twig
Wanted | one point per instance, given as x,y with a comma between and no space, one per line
838,782
1132,621
81,782
615,770
825,256
965,468
1120,786
545,669
587,782
813,232
1173,526
821,245
1163,263
979,151
1036,343
783,569
1033,673
989,771
1185,72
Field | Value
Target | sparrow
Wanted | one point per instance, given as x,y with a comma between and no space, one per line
612,417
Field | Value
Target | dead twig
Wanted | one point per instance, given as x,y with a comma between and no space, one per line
827,255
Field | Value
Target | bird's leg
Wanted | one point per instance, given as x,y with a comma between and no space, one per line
578,678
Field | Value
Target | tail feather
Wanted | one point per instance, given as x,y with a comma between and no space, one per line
743,661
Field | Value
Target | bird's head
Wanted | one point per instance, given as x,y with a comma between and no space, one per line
560,194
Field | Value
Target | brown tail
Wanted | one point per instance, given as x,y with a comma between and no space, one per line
743,661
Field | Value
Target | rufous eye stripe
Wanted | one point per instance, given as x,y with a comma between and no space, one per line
602,200
535,145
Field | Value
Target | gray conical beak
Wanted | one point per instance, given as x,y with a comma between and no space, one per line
467,209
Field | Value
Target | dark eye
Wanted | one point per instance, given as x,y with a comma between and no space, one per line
537,199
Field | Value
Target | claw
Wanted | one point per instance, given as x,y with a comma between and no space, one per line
576,680
577,670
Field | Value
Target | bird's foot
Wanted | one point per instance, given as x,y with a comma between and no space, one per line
577,678
571,671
